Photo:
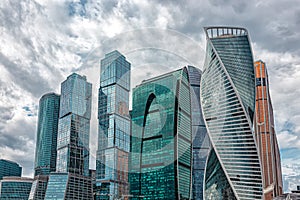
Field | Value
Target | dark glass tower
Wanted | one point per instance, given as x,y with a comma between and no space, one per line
201,143
228,102
114,127
46,140
9,168
161,144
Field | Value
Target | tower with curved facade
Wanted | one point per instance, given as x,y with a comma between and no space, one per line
228,101
46,140
160,161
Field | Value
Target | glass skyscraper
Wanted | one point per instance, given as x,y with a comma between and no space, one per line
265,135
9,168
201,143
114,127
71,181
74,125
161,142
46,140
228,102
15,188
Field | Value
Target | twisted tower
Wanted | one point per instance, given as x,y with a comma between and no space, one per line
227,96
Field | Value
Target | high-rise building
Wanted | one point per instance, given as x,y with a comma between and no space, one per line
265,135
17,188
9,168
74,125
46,144
71,179
233,168
46,140
160,162
201,143
114,127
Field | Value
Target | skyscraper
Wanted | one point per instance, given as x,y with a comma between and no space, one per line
17,188
114,127
74,125
228,101
265,135
9,168
46,140
161,142
71,181
201,143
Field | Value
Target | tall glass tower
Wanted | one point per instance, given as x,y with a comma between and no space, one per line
114,127
228,101
265,135
161,142
46,140
71,181
74,125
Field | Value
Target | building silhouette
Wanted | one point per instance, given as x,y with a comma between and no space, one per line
265,135
228,101
160,163
114,127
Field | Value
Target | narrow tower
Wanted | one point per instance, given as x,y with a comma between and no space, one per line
265,135
114,127
46,139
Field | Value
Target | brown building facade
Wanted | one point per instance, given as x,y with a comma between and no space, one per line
265,135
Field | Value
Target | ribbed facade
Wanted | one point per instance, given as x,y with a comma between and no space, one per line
265,135
161,143
114,127
9,168
228,101
46,140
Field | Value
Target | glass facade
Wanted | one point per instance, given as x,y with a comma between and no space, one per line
15,188
161,142
46,140
228,100
9,168
69,186
201,143
114,127
71,179
74,126
265,135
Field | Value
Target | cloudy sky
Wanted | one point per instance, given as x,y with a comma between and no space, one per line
43,41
